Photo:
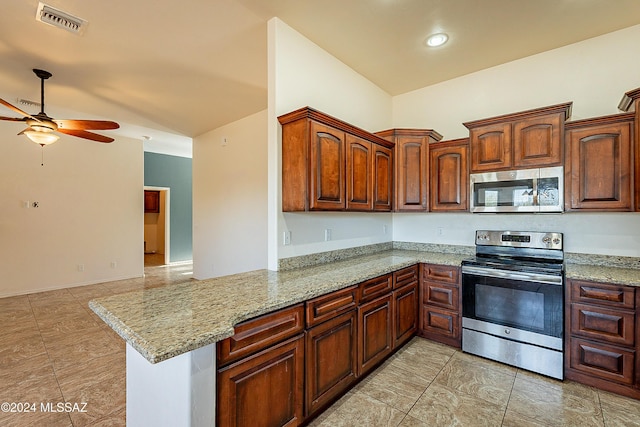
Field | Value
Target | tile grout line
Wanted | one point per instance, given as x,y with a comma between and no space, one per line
44,345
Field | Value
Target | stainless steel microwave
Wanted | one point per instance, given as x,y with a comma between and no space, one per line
526,190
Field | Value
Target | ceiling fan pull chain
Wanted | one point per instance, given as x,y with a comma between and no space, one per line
41,154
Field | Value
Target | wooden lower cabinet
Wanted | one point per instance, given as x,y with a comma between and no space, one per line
284,368
331,360
375,332
265,389
405,312
602,324
440,315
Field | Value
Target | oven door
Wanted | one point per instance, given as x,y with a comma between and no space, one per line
515,303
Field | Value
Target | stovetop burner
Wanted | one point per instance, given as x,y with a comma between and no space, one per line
533,252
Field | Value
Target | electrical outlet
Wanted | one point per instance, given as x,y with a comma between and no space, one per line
440,231
80,268
327,234
35,204
286,238
114,264
384,229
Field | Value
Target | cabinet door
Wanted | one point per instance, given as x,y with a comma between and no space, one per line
359,174
327,190
449,186
602,361
375,337
490,147
538,141
405,313
265,389
151,201
382,178
331,360
412,178
599,167
441,325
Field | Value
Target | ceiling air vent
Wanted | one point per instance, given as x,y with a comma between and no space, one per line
57,18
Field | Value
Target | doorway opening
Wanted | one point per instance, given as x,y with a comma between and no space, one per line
156,226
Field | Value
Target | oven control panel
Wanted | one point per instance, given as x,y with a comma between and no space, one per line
519,239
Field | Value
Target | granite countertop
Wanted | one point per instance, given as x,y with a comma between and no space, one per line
161,323
603,274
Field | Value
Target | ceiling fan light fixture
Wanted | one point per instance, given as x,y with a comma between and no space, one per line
438,39
42,138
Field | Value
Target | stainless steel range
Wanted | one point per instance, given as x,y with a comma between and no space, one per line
512,300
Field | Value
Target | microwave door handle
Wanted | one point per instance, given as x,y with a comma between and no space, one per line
535,191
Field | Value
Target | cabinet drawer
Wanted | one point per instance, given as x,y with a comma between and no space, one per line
259,333
441,273
602,361
405,276
330,305
602,294
374,288
611,325
441,295
441,322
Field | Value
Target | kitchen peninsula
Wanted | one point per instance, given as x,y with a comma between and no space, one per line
171,331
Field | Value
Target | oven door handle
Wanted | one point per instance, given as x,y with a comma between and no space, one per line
512,275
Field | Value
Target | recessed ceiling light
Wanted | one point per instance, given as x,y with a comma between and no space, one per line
438,39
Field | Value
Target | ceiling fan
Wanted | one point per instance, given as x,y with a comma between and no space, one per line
42,127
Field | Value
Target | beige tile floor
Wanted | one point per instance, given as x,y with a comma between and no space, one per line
54,349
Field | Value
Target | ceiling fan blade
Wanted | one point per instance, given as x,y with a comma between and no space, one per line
86,135
24,130
86,124
17,110
11,119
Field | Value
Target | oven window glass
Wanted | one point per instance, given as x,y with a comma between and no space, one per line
530,306
504,193
523,309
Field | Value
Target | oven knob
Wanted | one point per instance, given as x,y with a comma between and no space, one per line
546,240
507,331
556,241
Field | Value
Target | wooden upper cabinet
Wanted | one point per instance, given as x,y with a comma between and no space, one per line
449,176
151,201
327,166
527,139
382,178
538,141
491,147
359,174
631,102
411,171
330,165
599,164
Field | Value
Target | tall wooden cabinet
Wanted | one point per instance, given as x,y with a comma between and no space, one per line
521,140
599,164
328,164
449,173
631,102
411,167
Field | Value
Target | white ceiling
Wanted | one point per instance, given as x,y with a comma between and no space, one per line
181,68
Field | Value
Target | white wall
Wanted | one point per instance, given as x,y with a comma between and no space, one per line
594,74
90,212
302,74
230,198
